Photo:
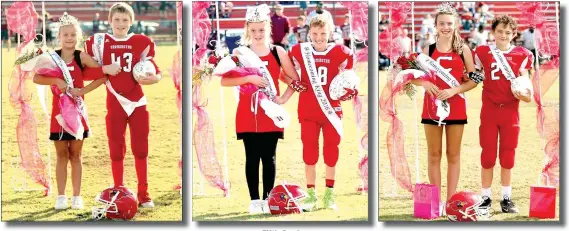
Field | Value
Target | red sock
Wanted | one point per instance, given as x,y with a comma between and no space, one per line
117,168
141,166
309,186
329,183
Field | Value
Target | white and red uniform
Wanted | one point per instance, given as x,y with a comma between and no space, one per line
127,52
452,62
499,114
329,63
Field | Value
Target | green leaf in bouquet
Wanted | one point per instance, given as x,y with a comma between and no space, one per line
27,57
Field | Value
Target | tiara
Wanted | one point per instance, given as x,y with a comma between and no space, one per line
259,13
67,19
446,7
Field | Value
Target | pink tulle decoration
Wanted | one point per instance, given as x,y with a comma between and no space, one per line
395,136
399,12
361,111
22,18
71,118
204,144
359,23
26,130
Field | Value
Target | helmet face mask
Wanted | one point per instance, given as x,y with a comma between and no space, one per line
119,203
465,206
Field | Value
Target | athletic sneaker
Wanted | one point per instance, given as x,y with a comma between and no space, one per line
61,202
310,202
508,205
256,207
76,202
328,200
144,200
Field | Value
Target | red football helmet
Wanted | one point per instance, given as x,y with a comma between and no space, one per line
286,199
465,206
119,203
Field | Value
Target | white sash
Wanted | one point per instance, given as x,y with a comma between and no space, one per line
79,103
276,112
502,63
430,64
310,65
98,51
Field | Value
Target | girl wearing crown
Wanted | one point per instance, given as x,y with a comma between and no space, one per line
444,106
259,131
75,66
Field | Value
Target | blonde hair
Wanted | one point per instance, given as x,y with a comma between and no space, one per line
456,41
68,20
121,7
320,21
246,40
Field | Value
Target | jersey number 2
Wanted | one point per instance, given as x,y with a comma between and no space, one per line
494,67
128,59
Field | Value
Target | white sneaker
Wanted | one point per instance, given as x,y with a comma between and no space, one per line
61,202
266,208
76,202
149,204
442,209
256,207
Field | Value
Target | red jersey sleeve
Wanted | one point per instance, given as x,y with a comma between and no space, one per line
528,60
151,46
349,56
88,46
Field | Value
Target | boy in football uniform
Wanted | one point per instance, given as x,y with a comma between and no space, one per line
503,64
126,102
319,63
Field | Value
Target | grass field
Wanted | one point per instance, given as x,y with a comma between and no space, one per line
164,153
529,158
212,206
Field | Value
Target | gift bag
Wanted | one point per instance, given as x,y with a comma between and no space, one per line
426,201
542,201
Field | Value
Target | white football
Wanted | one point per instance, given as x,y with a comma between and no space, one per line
522,84
140,70
347,79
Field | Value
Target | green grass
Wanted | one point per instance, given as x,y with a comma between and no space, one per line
164,153
528,163
212,206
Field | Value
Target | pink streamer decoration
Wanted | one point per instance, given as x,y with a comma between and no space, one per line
395,137
177,78
399,13
201,28
26,130
22,18
359,22
204,144
547,43
361,111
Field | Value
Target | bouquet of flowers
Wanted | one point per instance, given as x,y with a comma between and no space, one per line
230,66
407,69
43,63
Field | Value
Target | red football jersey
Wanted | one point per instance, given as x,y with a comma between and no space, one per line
452,62
496,87
246,120
329,64
127,52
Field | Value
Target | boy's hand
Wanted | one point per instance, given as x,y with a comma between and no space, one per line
298,86
61,85
150,78
112,69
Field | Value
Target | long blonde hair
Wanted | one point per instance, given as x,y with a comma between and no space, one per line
456,41
246,40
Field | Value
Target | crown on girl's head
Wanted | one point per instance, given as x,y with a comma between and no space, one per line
447,7
258,13
67,19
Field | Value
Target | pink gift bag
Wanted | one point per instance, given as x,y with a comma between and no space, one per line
426,201
542,202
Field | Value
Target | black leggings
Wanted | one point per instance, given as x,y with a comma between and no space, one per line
260,147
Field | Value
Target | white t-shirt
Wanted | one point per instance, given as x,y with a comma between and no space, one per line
480,38
404,44
528,38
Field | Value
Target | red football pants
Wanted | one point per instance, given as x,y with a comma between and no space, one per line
310,135
138,123
501,121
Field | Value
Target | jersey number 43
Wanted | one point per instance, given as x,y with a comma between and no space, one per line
127,57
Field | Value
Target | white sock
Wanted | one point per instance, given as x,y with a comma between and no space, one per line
506,191
486,192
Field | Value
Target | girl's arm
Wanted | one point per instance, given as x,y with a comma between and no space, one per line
231,82
290,72
431,88
43,80
90,87
467,84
